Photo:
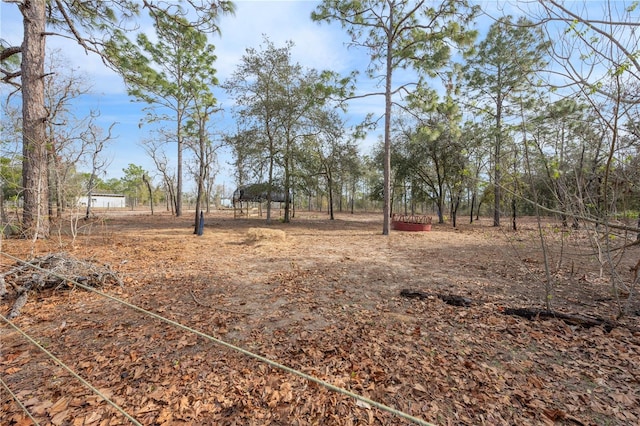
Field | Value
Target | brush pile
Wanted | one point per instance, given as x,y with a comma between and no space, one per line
52,271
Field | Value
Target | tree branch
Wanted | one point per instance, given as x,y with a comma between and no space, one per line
7,52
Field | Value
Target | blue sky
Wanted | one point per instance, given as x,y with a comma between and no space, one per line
319,46
316,46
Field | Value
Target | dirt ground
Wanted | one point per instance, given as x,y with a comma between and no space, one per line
322,297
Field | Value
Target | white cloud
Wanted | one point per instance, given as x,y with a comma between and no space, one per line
319,46
316,46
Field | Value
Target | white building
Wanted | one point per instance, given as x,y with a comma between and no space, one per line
104,201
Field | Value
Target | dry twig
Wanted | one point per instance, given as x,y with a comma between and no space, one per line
52,271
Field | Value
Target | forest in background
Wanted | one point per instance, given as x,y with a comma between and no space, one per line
535,114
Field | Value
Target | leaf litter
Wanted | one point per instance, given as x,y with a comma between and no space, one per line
328,304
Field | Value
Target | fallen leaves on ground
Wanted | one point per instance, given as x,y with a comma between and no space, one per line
327,304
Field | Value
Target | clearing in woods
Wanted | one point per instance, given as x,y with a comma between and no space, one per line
322,297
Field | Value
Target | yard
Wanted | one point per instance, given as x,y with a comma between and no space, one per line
321,297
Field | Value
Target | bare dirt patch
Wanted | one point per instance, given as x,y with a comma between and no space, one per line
322,297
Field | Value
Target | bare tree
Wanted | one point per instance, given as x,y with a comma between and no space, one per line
147,182
595,55
211,160
154,148
98,164
99,27
10,172
70,137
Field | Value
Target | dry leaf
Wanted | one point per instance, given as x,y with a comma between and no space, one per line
60,418
184,404
363,404
59,406
93,417
623,399
419,387
41,408
469,365
165,416
555,415
286,392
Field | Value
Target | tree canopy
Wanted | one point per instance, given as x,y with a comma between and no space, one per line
399,34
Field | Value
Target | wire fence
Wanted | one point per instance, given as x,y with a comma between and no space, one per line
188,329
17,400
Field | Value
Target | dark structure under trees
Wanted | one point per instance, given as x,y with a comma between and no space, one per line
248,197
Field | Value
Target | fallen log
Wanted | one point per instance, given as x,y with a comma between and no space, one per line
528,313
571,319
450,299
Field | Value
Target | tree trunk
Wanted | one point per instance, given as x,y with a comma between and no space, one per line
34,143
440,205
171,195
473,202
148,183
330,185
287,184
386,209
497,175
50,186
57,185
179,171
198,208
571,319
454,210
496,199
4,219
197,214
353,196
269,189
293,201
405,200
88,211
202,172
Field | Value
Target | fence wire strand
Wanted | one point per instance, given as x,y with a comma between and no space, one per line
17,400
220,342
73,373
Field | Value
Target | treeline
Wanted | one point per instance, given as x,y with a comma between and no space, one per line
530,113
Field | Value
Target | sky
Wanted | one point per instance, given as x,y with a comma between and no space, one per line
319,46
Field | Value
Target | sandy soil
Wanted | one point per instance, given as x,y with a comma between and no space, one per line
323,297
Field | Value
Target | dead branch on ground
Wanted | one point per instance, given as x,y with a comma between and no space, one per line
449,299
52,271
571,319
